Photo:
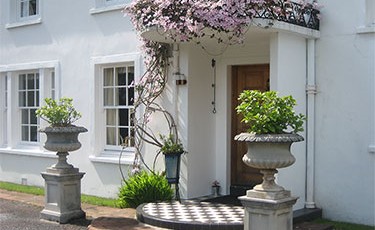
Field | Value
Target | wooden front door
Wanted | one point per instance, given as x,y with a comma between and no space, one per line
249,77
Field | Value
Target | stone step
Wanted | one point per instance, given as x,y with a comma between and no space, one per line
312,226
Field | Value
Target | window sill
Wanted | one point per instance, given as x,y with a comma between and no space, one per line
103,9
112,157
23,23
371,149
28,152
366,29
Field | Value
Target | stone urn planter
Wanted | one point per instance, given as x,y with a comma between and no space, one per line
62,140
268,152
272,127
62,180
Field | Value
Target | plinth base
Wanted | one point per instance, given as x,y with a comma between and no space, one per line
62,218
62,195
267,213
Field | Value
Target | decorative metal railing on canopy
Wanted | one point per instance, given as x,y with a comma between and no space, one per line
295,14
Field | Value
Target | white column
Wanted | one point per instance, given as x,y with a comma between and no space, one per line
311,91
288,77
3,115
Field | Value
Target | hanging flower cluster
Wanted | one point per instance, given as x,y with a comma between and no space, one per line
184,20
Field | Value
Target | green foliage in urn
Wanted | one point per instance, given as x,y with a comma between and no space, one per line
59,113
267,113
171,144
142,188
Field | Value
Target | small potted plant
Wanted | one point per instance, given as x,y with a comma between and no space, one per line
62,135
172,149
272,128
215,188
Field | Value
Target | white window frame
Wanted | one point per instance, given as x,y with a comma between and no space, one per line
15,18
12,139
103,152
26,4
369,21
102,6
3,109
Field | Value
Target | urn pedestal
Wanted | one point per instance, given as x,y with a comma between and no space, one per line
62,180
268,205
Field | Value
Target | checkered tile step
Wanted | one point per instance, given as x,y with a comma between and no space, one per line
192,215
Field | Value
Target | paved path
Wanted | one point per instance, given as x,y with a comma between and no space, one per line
21,211
17,215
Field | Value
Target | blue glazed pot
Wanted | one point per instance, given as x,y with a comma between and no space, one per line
172,167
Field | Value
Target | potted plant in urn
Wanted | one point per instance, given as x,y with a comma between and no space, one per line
62,135
272,128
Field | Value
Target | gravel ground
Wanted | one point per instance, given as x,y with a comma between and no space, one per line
16,215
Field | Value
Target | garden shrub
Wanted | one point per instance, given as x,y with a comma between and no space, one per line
142,188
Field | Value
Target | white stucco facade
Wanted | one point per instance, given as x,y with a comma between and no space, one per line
335,164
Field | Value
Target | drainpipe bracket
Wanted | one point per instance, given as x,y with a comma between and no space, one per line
310,205
311,89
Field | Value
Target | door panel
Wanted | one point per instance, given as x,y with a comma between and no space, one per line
250,77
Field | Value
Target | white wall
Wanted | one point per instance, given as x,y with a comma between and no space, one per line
200,123
72,36
345,114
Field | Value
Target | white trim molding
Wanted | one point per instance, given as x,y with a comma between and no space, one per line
43,69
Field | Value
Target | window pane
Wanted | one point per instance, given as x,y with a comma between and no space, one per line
22,99
130,75
37,98
123,135
108,77
121,96
53,80
30,81
111,117
37,80
33,7
22,81
24,10
33,118
30,98
33,133
111,136
124,117
131,96
121,76
108,97
25,133
25,116
52,85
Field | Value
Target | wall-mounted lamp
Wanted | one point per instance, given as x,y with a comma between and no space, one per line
180,79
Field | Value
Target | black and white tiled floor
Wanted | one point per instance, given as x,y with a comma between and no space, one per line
191,215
